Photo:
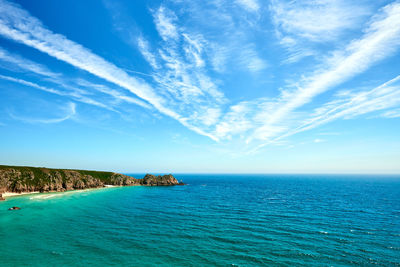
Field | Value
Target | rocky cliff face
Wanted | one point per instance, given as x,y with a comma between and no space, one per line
30,179
151,180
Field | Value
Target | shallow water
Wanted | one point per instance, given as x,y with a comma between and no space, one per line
218,220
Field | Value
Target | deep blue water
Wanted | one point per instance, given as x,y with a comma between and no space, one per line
216,220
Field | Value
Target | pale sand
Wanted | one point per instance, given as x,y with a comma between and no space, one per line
12,194
45,195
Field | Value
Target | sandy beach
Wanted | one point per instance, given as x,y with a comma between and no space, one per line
13,194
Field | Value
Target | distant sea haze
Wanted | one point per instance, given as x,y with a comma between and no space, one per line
215,220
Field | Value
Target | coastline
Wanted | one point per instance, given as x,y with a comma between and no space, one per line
13,194
34,180
7,195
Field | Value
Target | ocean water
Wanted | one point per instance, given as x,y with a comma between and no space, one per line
215,220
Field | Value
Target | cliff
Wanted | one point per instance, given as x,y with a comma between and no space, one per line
29,179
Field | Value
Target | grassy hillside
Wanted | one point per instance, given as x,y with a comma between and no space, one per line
27,179
41,173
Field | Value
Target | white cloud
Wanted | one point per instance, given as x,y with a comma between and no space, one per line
317,20
70,111
144,48
239,119
219,56
20,26
207,116
57,78
112,92
187,58
301,26
381,39
74,95
193,49
391,114
256,64
250,5
250,60
182,79
26,65
385,96
164,20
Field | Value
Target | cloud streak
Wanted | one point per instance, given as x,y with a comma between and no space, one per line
301,26
385,96
72,86
188,65
73,95
20,26
25,64
381,39
70,111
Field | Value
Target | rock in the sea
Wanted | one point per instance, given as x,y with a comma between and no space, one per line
152,180
2,198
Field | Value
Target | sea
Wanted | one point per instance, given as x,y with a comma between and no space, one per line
214,220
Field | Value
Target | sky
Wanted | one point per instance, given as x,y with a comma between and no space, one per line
223,86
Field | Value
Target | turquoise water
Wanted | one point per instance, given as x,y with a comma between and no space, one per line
216,220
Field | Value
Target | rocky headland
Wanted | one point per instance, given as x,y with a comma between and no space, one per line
16,179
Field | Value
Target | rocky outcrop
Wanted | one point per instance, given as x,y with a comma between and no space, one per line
123,180
29,179
151,180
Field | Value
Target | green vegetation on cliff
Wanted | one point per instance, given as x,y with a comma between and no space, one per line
28,179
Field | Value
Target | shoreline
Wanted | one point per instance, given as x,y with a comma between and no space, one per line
13,194
7,195
60,180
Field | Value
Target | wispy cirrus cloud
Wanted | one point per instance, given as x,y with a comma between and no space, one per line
144,48
74,95
193,46
250,59
18,25
25,64
180,73
250,5
69,110
381,39
301,25
317,21
391,114
223,27
116,94
383,97
77,89
165,23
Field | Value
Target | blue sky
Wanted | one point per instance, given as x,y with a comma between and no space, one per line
242,86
